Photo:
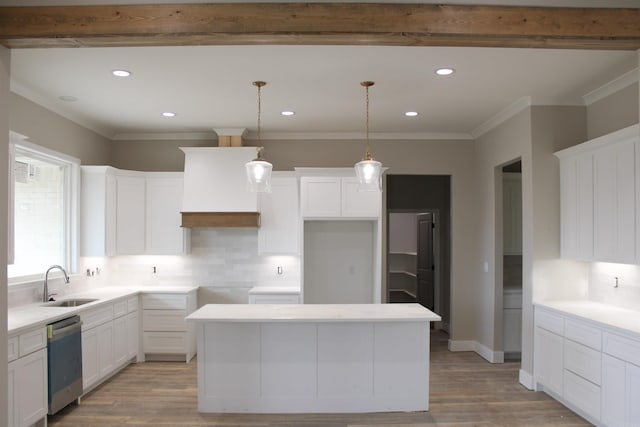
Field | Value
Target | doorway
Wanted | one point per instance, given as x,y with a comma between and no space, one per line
512,260
407,197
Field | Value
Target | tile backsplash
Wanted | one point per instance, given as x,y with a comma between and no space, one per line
602,284
224,262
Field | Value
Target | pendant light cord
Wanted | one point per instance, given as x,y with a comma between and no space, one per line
260,147
367,154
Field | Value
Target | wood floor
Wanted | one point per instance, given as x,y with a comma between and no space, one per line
465,391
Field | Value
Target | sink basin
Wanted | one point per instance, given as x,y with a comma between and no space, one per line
69,302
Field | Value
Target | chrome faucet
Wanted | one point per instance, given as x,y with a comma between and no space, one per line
45,297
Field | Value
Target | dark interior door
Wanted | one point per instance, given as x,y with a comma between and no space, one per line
426,265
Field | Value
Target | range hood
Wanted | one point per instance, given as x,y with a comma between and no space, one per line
215,188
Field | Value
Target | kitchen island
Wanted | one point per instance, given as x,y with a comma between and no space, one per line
305,358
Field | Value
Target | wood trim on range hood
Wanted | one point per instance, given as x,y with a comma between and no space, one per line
220,219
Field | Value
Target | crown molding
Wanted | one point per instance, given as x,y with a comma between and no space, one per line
615,85
502,116
358,136
165,136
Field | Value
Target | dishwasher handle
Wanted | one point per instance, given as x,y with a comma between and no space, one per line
56,334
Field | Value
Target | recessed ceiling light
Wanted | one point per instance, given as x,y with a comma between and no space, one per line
411,113
121,73
288,113
168,114
445,71
67,98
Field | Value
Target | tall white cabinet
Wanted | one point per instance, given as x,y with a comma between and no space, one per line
341,239
599,197
279,232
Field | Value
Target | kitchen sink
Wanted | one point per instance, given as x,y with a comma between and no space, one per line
69,302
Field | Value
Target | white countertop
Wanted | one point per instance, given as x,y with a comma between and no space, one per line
274,290
312,313
622,319
37,314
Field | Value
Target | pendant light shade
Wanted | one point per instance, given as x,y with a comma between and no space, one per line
258,169
368,170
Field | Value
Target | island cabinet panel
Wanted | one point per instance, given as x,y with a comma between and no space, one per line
309,366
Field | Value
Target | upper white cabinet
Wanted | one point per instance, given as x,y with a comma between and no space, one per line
598,198
163,203
335,196
130,213
279,216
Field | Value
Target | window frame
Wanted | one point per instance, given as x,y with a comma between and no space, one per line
18,145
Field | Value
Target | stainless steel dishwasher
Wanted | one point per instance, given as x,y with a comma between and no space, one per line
64,348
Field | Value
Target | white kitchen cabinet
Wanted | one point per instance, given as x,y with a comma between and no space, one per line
621,380
98,211
120,341
164,235
130,214
27,380
279,231
274,295
165,333
576,207
613,391
549,354
324,197
599,196
614,200
97,345
512,321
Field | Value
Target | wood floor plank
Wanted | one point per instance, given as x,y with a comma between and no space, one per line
465,391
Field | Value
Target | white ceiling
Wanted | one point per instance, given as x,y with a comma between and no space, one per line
210,86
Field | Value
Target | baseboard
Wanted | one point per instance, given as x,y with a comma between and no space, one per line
526,379
485,352
462,345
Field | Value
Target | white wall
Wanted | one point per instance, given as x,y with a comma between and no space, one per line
5,67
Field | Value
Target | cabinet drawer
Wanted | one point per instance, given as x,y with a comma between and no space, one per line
120,308
584,334
274,299
164,301
550,322
164,342
164,320
622,348
583,361
13,348
582,394
32,341
132,304
93,318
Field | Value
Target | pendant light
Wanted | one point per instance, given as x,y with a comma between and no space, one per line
368,170
258,169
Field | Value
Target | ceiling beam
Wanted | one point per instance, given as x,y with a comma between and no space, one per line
320,24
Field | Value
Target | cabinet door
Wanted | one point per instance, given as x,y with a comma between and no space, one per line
106,363
549,356
632,395
133,334
576,207
32,383
321,197
613,391
359,204
614,198
130,215
279,219
90,370
120,341
12,403
164,201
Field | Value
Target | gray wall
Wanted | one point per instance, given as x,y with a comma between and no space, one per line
616,111
48,129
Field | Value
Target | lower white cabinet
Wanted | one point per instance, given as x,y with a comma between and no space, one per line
592,370
165,333
27,380
280,296
109,340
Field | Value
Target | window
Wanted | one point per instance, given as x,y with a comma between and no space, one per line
44,222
